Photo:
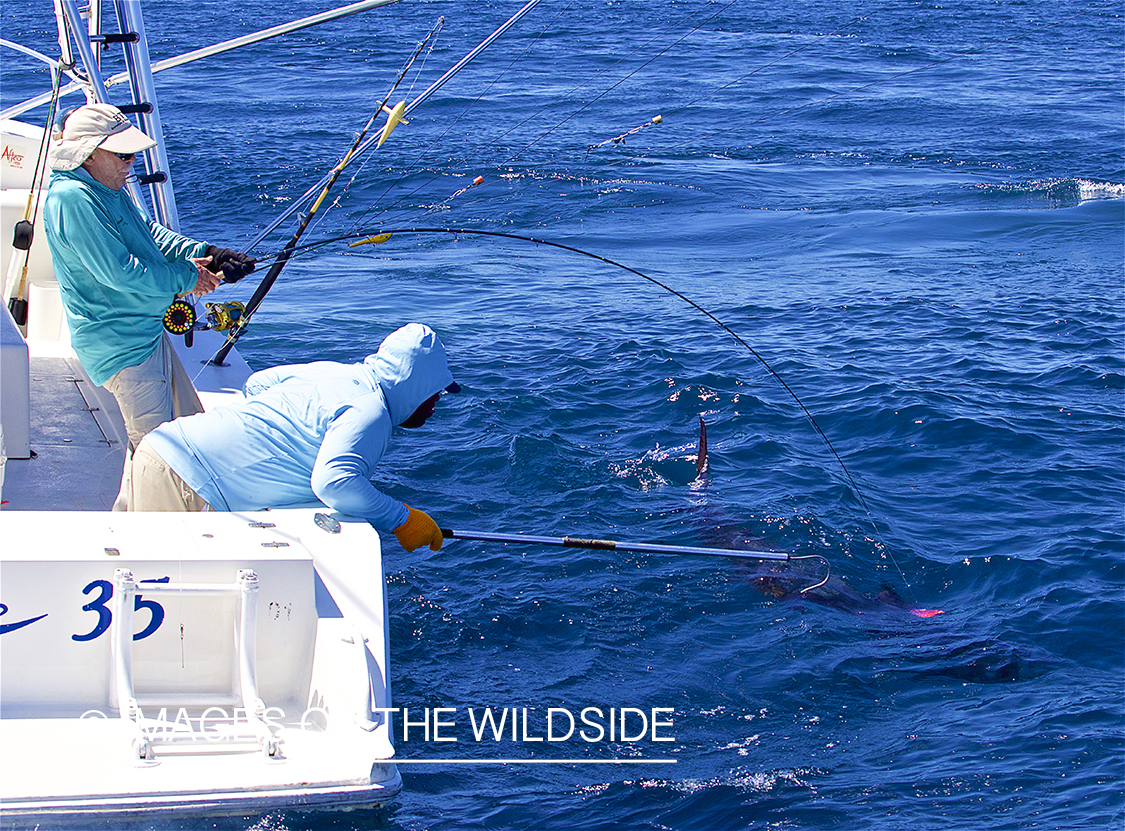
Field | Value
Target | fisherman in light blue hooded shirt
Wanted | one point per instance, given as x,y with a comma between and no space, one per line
304,433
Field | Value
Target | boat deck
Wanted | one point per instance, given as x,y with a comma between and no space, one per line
78,441
77,434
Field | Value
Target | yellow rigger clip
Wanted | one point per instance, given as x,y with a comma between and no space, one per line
394,118
375,240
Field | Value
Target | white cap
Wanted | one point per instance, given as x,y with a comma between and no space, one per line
93,126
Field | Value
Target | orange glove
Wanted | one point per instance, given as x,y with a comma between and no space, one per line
418,530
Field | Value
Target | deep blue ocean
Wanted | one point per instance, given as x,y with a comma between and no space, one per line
913,212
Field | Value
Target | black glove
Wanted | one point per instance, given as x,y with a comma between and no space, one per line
234,264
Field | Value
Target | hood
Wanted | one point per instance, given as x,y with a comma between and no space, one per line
409,367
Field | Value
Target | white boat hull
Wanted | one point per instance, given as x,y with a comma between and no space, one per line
319,654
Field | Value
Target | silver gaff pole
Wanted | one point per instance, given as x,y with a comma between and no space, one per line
614,545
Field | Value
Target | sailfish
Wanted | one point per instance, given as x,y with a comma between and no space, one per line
788,581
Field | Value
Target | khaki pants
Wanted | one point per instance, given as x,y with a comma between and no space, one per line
154,486
154,391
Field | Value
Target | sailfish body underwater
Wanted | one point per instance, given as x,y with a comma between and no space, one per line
793,580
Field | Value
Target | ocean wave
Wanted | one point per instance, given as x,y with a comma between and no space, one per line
1058,192
743,780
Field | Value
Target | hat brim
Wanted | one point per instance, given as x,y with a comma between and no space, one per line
131,140
68,154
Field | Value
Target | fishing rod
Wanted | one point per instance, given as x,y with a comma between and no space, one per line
384,235
643,547
394,117
426,93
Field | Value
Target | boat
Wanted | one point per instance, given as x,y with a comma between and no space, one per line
154,665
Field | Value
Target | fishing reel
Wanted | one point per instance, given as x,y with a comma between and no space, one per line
179,319
223,316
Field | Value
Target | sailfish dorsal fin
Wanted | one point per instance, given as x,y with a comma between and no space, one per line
701,456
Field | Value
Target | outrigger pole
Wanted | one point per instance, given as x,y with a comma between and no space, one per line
394,117
188,57
616,545
430,90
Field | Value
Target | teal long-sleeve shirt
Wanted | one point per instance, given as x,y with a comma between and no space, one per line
117,271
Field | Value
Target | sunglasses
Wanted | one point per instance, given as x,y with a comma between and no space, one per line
126,157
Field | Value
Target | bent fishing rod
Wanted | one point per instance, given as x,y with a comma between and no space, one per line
378,236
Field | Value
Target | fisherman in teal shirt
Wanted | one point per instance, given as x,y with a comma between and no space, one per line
304,433
118,272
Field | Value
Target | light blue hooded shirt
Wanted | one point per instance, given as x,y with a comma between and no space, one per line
117,271
309,432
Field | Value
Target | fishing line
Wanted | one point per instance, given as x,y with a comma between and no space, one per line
413,215
431,38
513,157
465,161
878,81
629,75
659,119
430,90
380,236
425,58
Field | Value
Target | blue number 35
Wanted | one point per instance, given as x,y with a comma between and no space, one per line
105,617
